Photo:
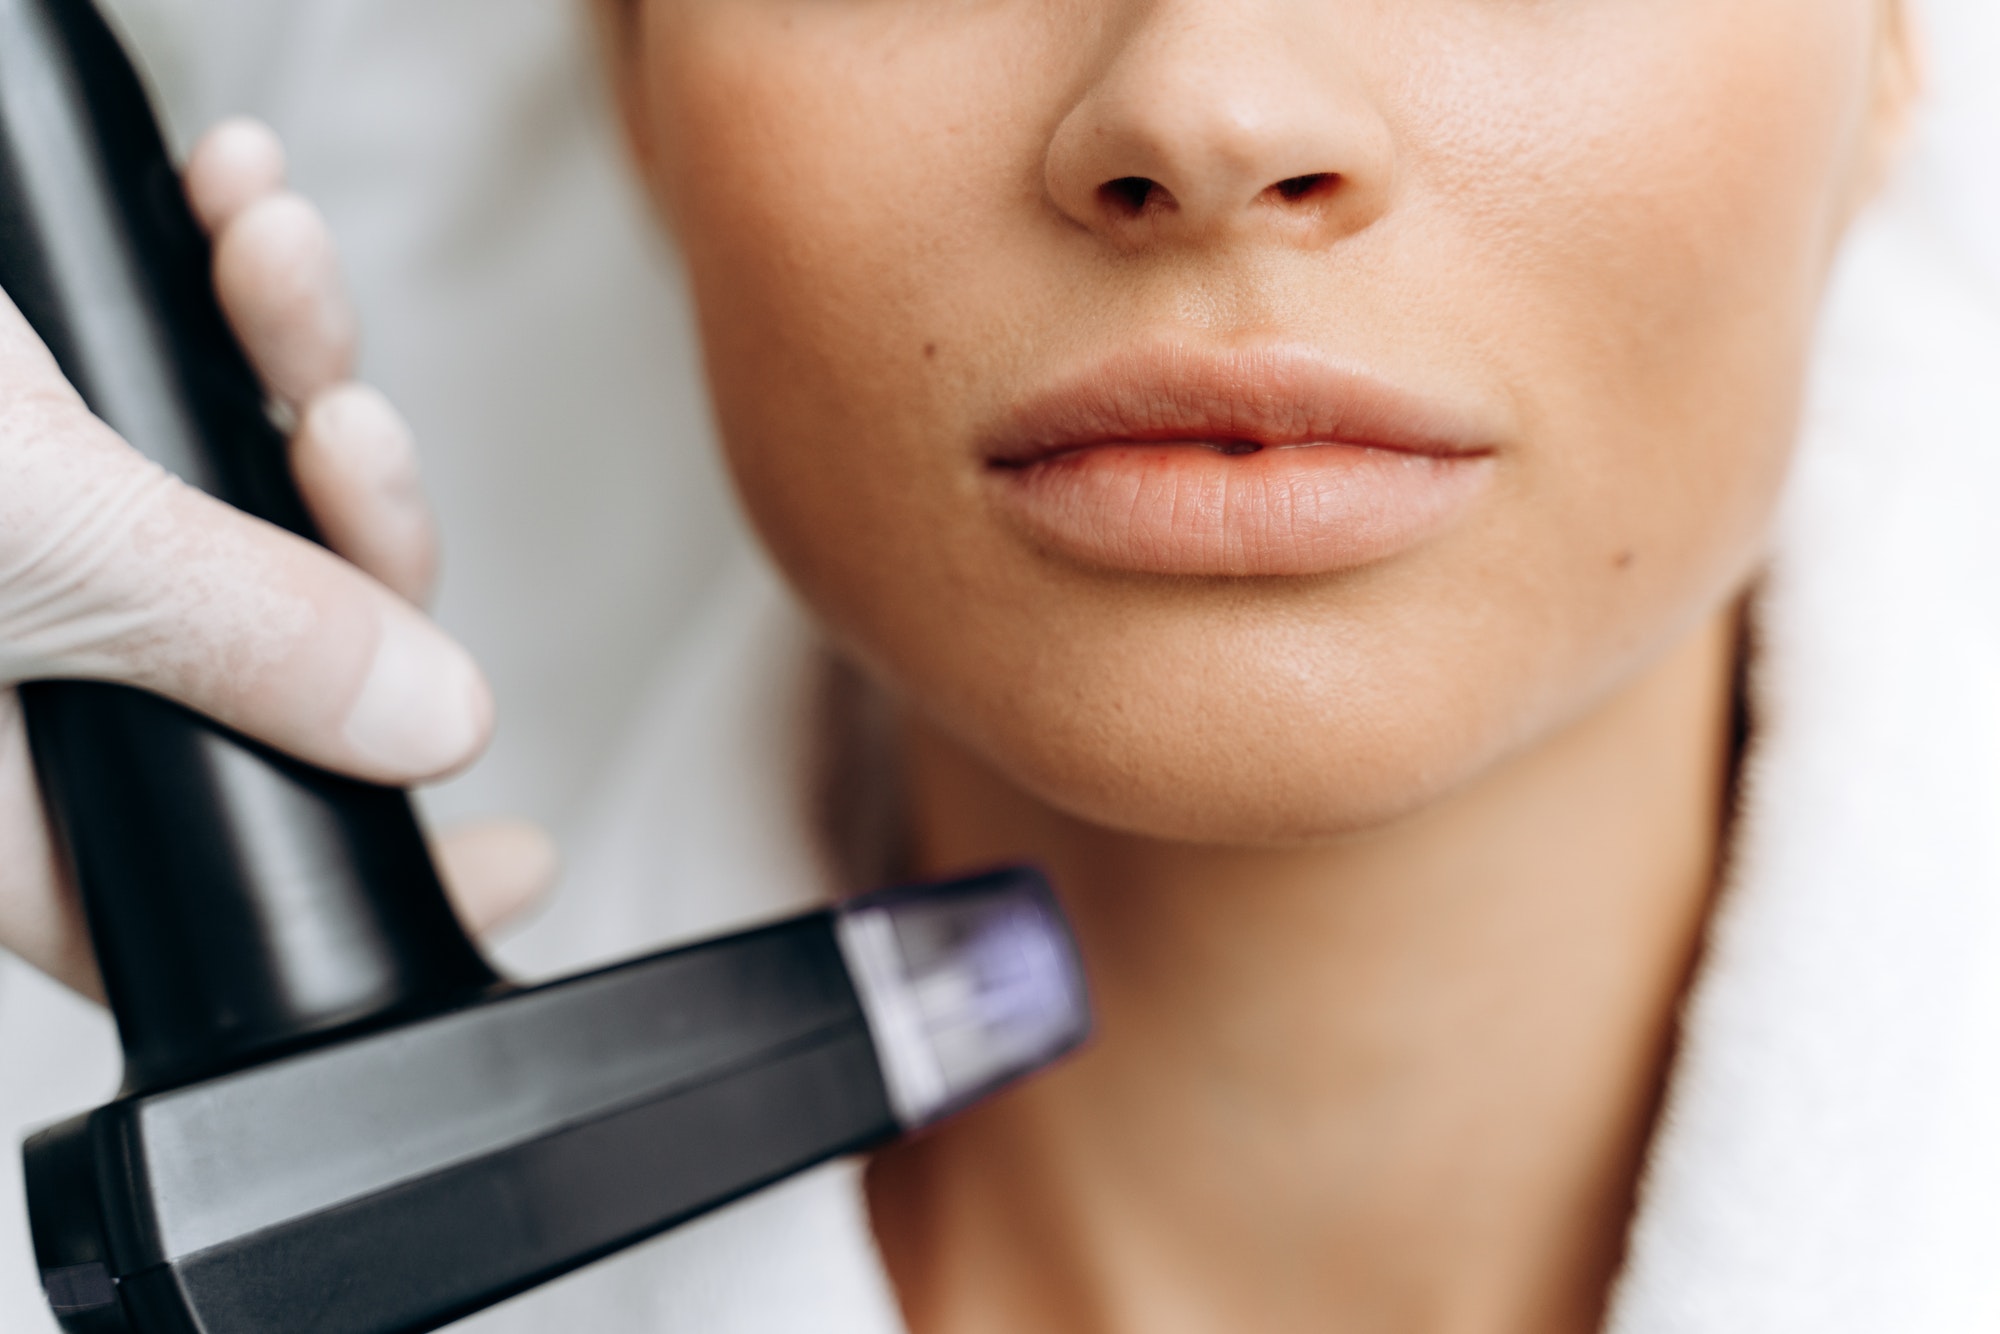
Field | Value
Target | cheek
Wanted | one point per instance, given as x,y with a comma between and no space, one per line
832,173
1651,225
827,167
1644,232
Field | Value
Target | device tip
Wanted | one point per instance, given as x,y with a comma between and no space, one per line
967,984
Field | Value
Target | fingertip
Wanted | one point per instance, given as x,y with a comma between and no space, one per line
374,443
496,869
424,710
518,851
533,851
238,162
355,460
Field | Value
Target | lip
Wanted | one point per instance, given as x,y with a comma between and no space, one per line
1272,461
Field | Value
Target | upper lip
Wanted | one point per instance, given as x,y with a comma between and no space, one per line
1267,397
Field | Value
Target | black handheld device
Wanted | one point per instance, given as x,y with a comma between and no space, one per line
336,1116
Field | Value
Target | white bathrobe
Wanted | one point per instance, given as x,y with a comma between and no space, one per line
1829,1162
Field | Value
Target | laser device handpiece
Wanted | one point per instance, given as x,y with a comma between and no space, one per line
336,1116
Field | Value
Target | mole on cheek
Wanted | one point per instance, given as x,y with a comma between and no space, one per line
930,351
1624,559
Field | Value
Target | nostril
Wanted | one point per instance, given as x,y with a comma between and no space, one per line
1128,194
1295,188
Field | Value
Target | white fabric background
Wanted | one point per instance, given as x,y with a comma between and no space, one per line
519,308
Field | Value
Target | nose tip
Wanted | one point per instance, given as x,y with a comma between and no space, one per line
1199,126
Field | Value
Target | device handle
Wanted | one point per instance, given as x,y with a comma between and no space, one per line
239,901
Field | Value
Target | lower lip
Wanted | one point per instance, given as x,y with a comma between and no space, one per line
1189,509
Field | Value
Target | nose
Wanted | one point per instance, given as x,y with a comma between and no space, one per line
1215,117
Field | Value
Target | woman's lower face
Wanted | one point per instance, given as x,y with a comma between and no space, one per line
1250,420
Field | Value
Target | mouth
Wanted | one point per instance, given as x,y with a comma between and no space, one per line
1269,462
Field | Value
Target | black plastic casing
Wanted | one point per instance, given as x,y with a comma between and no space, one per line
336,1118
406,1177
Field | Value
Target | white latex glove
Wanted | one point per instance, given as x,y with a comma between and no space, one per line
112,569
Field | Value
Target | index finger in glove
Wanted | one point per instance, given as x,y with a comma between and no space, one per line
112,569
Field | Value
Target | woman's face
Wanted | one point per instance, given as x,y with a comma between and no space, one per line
1247,420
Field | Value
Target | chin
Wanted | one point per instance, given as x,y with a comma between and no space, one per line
1189,752
1295,794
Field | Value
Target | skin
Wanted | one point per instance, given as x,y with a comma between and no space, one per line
1388,879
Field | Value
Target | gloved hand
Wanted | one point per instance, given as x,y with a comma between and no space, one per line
112,569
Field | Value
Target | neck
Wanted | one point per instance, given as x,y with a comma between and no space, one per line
1403,1080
